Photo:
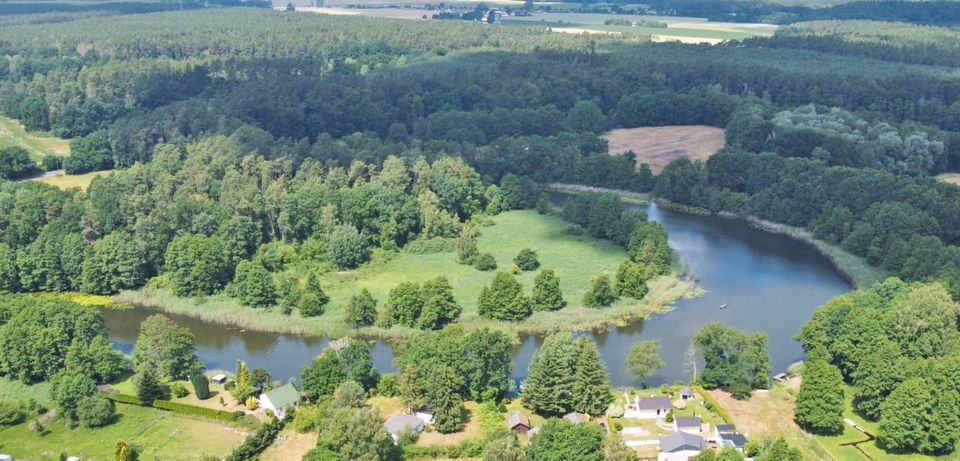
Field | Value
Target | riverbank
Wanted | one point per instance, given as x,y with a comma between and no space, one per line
574,258
853,268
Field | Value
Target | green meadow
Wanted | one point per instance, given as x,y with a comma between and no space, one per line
575,259
12,133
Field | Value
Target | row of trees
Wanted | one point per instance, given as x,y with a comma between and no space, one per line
896,345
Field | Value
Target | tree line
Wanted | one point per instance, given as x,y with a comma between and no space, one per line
896,346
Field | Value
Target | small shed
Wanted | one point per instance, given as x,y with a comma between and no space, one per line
518,422
576,418
279,399
401,424
735,440
780,377
687,394
726,429
688,424
219,378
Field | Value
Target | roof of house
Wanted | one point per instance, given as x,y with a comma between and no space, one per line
780,376
688,421
686,392
402,422
654,403
726,428
283,396
680,441
219,377
734,440
516,418
576,418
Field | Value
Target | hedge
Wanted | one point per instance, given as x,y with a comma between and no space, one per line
715,406
257,442
123,398
185,409
175,407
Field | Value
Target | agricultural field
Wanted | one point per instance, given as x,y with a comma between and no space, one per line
65,181
574,258
658,146
12,133
685,29
161,434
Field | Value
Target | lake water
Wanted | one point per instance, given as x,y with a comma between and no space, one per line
769,282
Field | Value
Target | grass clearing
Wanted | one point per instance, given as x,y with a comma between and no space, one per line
161,435
290,445
574,258
952,178
65,181
12,133
658,146
13,389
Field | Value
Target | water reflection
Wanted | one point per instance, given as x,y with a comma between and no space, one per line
770,283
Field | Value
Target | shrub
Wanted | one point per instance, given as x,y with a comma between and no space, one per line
526,260
305,420
185,409
574,230
349,394
95,411
252,403
387,386
123,398
10,412
485,262
179,390
259,441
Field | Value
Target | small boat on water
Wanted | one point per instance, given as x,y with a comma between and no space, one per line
723,306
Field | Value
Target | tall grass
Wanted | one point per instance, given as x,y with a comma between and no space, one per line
635,198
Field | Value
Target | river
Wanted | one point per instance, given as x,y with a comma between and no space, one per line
769,282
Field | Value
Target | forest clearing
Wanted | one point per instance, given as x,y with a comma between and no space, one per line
12,133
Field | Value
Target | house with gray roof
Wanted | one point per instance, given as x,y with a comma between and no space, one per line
735,440
688,424
687,394
680,446
649,408
401,424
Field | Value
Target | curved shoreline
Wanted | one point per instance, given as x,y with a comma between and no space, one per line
853,268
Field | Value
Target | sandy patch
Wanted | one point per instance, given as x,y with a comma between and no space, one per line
952,178
290,445
658,146
766,414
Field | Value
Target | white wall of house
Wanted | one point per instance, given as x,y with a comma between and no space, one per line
683,455
266,404
645,414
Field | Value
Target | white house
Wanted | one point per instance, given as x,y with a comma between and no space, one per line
648,408
279,399
680,446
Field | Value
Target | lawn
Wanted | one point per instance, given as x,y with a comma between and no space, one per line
574,258
12,389
12,133
66,181
160,434
769,415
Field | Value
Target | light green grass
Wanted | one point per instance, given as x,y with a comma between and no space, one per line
69,181
574,258
12,389
160,434
12,133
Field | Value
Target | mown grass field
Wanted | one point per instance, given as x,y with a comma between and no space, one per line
12,133
574,258
66,181
952,178
771,415
160,434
